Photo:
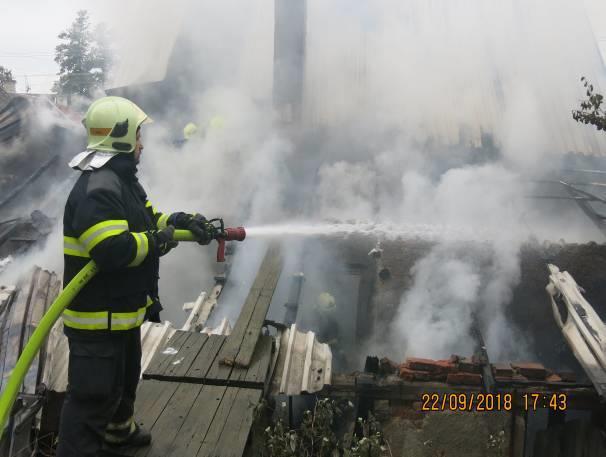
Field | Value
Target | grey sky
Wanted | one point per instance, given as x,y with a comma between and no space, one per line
29,30
28,36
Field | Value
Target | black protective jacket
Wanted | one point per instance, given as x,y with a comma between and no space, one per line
108,219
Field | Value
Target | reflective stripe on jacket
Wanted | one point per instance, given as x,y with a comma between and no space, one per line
105,320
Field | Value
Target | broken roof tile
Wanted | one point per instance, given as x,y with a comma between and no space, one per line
468,379
531,370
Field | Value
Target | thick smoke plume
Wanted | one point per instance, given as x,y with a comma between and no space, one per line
413,112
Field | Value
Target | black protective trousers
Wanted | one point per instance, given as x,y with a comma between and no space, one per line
103,374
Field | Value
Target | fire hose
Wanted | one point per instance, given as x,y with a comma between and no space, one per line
53,313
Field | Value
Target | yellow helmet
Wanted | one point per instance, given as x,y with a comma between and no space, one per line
190,130
326,302
111,124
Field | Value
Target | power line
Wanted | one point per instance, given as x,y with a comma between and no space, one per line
30,53
34,75
24,57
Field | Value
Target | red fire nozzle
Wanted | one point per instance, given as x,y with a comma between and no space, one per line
229,234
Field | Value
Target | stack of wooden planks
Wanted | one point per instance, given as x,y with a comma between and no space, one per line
199,393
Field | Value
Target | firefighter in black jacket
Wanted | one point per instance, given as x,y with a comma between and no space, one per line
109,219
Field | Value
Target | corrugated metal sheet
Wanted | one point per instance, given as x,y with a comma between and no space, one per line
152,337
13,115
21,308
6,293
55,375
583,329
303,363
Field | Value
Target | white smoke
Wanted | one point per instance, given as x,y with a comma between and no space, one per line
435,314
399,98
404,93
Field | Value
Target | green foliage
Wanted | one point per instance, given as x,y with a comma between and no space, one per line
6,75
82,57
591,111
316,437
372,443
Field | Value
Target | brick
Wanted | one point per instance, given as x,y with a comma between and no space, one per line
409,374
438,376
446,366
431,366
406,373
467,379
387,366
531,370
553,377
421,375
467,365
502,370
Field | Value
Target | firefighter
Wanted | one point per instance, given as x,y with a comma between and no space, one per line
190,131
327,322
109,219
328,329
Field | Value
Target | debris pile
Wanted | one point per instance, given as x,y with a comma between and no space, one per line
467,371
18,235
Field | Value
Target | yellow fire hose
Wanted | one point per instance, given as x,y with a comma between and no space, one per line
44,327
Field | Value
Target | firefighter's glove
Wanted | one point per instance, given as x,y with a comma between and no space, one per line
163,240
203,231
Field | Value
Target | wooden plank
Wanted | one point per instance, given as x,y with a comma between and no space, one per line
216,428
38,301
189,351
208,306
201,366
219,373
271,262
152,398
161,360
22,318
16,319
518,434
36,310
53,291
166,428
5,315
198,421
253,332
259,366
251,377
235,432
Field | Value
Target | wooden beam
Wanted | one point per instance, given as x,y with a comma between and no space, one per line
394,388
240,345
